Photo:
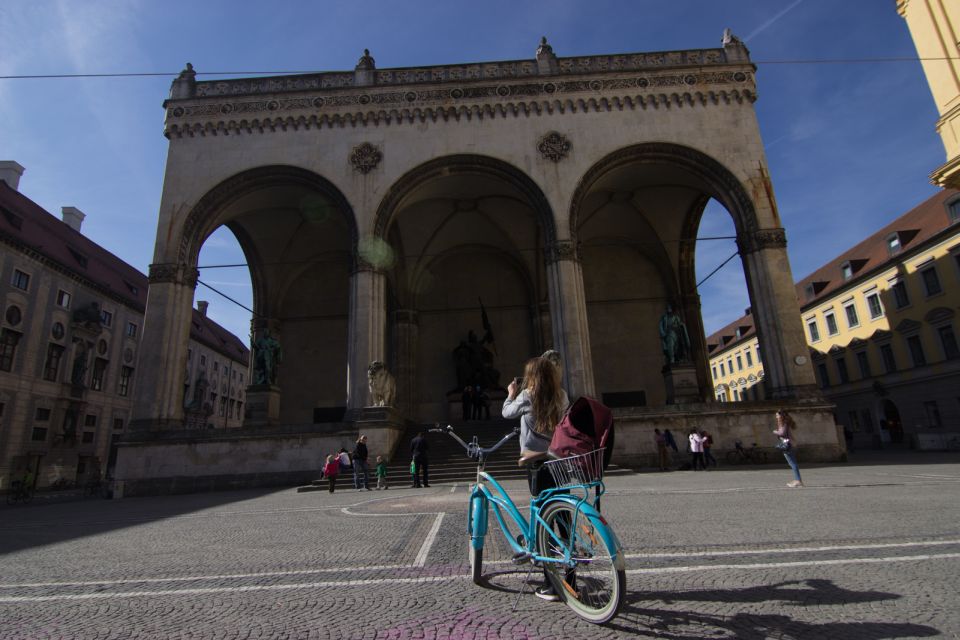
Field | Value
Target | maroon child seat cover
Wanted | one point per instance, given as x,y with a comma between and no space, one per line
587,426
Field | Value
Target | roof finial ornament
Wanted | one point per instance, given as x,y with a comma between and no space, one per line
366,62
729,38
544,48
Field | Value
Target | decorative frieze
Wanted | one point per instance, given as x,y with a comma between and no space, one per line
762,239
365,157
174,273
554,146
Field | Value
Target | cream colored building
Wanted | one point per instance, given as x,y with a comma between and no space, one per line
935,28
881,322
71,330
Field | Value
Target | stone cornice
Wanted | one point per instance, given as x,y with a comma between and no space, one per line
383,105
173,273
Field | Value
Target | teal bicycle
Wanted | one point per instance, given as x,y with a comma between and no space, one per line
564,533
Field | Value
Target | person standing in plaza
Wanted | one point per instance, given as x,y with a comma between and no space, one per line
540,405
331,470
696,450
788,444
361,474
381,474
344,459
420,450
661,442
707,445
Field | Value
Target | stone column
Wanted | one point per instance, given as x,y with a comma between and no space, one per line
568,315
776,312
158,396
407,335
366,337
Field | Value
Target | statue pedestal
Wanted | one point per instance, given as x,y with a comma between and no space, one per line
680,381
383,426
263,406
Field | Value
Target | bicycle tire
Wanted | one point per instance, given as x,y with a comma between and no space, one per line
476,564
594,588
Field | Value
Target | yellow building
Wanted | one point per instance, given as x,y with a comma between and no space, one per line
935,28
881,323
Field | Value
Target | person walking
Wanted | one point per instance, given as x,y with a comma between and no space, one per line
361,473
696,450
707,445
420,449
331,469
788,444
381,474
540,405
661,442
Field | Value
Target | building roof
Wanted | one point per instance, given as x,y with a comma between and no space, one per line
28,227
913,228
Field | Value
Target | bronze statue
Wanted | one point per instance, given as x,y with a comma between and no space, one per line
674,338
267,355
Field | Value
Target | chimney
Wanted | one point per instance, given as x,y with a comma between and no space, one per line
202,307
73,217
10,173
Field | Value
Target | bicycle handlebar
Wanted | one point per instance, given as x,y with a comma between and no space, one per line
474,450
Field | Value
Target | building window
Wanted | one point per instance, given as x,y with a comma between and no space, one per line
39,434
893,243
889,362
13,315
730,365
223,406
854,420
863,363
846,271
953,210
118,424
814,331
852,319
239,409
758,355
87,437
916,351
63,299
106,318
90,420
949,341
99,370
131,330
900,296
42,414
232,406
832,328
842,370
8,348
714,370
216,366
749,358
866,418
824,376
20,280
722,370
875,306
933,414
203,360
52,365
126,374
931,281
739,363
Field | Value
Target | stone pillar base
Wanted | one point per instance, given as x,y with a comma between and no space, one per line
263,406
680,381
383,426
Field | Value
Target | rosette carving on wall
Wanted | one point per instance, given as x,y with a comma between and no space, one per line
554,146
365,157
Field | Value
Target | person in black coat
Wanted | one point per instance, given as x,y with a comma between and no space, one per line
420,450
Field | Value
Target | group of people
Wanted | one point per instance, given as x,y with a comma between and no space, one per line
476,403
343,462
700,443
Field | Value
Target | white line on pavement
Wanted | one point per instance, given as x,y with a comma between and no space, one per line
805,563
425,549
778,550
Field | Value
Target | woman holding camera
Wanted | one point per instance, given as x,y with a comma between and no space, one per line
540,402
784,431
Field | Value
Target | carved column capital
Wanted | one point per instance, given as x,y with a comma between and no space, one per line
562,250
762,239
362,265
173,273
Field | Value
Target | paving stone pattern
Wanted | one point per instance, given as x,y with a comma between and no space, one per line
869,549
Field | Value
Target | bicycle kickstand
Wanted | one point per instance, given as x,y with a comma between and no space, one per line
523,589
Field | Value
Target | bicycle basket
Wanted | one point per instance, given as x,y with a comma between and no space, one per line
581,470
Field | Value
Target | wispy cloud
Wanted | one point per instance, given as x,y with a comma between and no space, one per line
766,25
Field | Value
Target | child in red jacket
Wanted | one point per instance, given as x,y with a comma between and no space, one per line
330,470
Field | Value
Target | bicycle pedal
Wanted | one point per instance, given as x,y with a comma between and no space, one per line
521,558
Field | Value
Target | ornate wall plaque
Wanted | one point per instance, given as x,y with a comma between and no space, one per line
365,157
554,146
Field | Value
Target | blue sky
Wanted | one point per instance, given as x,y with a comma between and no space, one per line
849,145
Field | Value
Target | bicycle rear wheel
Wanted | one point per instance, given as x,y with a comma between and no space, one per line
594,586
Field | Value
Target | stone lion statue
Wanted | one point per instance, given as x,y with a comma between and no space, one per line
383,386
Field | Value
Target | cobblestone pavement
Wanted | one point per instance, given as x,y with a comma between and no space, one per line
866,550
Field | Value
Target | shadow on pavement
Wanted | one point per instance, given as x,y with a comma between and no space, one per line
36,524
663,623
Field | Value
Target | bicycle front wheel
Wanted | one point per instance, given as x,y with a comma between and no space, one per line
593,587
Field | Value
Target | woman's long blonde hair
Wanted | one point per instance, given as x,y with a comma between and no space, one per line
542,379
787,419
